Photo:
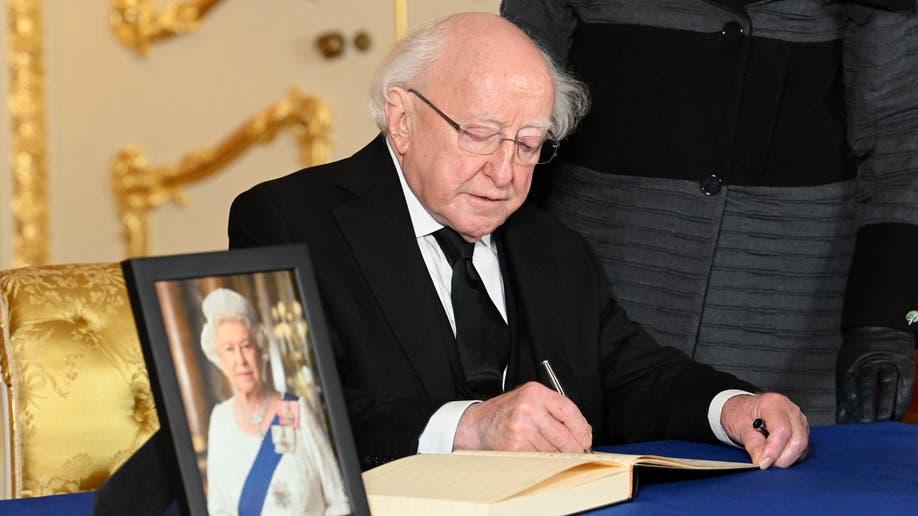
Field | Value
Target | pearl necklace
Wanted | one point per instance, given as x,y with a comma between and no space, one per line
257,418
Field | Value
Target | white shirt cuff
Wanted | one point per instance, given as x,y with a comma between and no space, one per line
716,408
440,431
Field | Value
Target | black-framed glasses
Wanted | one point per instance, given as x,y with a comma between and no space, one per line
479,139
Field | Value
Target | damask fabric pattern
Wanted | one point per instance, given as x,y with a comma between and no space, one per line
80,397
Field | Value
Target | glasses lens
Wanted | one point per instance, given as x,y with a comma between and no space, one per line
478,139
549,149
530,150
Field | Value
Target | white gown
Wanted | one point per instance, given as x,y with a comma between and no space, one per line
305,482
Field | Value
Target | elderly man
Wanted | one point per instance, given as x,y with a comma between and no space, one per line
424,330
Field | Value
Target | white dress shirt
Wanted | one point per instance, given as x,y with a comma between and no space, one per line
440,431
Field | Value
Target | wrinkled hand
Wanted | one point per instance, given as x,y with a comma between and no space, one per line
872,359
789,433
531,417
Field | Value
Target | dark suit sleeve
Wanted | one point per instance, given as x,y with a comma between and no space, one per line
882,119
652,392
627,386
656,392
385,427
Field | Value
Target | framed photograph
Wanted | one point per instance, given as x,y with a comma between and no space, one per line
245,382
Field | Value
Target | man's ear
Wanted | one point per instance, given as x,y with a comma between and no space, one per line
398,123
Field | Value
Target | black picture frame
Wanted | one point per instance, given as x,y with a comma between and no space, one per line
155,283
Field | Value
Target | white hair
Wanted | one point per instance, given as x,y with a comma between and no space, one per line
418,51
224,304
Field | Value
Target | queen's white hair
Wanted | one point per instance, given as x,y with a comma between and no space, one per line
223,304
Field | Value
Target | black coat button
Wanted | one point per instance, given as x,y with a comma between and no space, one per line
711,184
732,31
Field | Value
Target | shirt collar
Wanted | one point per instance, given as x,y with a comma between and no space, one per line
421,220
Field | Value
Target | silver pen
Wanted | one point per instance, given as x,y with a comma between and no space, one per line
556,385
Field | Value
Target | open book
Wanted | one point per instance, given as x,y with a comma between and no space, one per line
497,483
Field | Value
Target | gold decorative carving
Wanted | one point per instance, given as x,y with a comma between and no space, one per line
401,18
138,23
362,41
331,44
28,156
140,188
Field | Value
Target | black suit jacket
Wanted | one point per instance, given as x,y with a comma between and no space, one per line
395,351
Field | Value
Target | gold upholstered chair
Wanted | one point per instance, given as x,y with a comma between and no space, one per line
76,400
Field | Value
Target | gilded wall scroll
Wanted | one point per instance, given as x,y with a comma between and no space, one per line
401,18
138,23
140,188
28,152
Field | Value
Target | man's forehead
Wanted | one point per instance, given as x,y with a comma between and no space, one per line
505,56
498,105
496,80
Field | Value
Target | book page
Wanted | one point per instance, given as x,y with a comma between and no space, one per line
480,477
627,460
512,483
576,476
675,462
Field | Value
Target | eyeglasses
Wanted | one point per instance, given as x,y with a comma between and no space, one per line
478,139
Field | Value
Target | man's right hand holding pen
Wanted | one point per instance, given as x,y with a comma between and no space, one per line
531,417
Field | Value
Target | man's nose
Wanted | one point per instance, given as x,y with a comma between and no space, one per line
502,162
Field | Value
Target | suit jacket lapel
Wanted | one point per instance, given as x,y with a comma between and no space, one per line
377,226
533,276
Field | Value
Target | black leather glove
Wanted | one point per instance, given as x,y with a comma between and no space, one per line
872,359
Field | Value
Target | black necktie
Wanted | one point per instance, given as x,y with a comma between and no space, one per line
482,336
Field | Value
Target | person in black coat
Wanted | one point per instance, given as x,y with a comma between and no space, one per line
748,176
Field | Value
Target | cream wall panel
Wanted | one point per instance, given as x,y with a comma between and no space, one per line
423,10
187,94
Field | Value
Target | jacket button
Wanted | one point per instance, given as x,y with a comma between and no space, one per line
711,184
732,31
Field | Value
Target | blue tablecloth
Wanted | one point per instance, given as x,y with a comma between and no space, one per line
77,504
851,469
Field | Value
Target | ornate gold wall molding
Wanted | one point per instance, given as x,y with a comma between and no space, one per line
139,188
28,156
138,23
401,18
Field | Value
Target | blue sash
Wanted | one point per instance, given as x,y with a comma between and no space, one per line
259,479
